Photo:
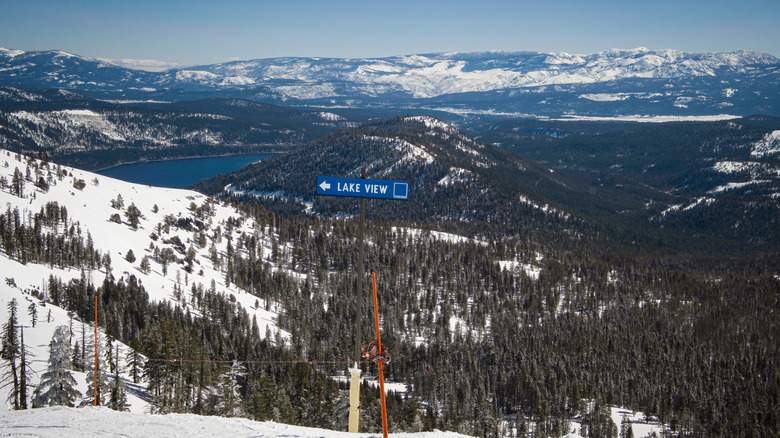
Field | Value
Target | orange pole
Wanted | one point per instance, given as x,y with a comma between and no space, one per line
96,354
379,351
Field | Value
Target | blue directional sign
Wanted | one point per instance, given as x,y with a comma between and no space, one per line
362,188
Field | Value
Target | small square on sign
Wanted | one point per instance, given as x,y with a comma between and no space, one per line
401,190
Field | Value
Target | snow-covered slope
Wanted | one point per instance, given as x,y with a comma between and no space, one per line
37,337
57,422
91,208
166,216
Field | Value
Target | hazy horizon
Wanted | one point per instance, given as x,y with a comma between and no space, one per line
163,33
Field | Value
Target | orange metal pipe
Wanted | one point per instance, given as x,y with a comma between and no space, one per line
96,354
379,351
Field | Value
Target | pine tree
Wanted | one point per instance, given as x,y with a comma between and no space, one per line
118,399
25,371
57,387
103,388
626,431
232,404
134,360
17,183
109,351
145,265
118,203
283,409
10,352
32,310
133,215
76,360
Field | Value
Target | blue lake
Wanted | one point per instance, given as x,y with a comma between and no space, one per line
179,173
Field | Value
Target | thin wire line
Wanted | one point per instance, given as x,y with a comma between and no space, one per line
260,361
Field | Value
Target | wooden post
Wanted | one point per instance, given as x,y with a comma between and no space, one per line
360,273
354,399
379,351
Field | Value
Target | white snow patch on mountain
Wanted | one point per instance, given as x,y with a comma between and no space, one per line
81,118
702,200
730,167
92,120
605,97
530,270
545,208
417,234
192,75
308,91
454,176
411,153
641,425
432,122
237,80
330,116
564,58
735,186
682,101
11,53
769,145
153,65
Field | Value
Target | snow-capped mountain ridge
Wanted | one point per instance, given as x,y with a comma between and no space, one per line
742,81
433,75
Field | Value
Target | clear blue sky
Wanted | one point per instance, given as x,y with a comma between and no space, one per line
204,32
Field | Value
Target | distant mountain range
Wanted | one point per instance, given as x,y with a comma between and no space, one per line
607,84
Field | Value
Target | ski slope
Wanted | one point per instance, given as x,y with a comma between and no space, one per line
101,422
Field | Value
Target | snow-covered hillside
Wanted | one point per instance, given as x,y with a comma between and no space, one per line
169,223
169,218
18,281
78,129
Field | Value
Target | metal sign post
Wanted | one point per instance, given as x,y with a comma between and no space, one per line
361,188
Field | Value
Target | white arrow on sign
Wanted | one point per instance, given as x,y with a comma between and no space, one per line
324,185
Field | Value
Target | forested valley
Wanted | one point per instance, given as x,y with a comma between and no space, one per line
494,334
